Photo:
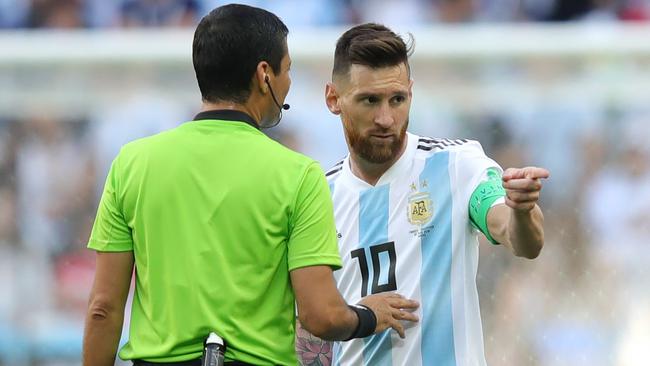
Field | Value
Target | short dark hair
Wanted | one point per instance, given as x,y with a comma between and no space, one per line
228,44
373,45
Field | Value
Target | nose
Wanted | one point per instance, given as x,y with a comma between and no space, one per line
383,116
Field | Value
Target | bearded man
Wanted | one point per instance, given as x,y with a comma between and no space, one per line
409,210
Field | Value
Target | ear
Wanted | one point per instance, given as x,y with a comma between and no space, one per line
332,99
261,74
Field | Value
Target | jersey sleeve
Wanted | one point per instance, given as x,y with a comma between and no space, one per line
476,168
312,238
110,232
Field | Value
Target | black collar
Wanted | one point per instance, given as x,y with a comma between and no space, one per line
227,115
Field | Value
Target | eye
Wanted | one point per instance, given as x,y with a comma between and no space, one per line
370,100
399,99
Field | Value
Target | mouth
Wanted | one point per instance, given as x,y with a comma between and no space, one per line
382,137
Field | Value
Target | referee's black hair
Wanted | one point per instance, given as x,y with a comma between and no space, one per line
373,45
228,44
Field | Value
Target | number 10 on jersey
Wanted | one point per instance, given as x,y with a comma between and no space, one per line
375,251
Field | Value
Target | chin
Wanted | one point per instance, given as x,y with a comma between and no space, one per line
378,157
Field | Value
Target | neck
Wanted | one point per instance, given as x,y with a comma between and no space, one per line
371,172
210,106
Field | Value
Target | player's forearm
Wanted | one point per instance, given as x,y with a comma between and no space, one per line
101,337
526,232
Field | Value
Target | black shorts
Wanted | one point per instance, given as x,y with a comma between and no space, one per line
196,362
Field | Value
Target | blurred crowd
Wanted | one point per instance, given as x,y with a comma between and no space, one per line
584,301
181,13
52,171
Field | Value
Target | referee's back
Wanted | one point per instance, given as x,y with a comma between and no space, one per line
211,209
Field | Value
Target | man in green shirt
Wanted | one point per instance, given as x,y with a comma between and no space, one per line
227,229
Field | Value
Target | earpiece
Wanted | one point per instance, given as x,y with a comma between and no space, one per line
280,106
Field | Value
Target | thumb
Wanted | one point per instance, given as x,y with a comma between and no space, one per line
511,173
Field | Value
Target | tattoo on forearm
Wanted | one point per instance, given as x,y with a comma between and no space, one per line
311,350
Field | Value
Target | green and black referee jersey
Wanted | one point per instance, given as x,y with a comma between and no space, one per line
216,214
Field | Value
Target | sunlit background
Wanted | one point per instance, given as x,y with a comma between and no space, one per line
562,84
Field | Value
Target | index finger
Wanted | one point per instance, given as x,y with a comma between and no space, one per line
530,172
536,173
403,303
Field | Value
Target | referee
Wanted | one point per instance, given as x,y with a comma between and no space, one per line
226,229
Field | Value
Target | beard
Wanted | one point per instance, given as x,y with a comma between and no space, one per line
376,152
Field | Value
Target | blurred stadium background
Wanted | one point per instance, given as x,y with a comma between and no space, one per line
563,84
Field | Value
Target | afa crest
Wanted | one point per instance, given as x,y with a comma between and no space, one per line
420,208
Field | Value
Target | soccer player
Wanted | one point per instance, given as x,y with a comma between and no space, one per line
226,228
408,210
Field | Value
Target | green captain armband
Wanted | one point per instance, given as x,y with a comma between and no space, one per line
482,199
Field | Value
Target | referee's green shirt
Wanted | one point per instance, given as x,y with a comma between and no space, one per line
216,214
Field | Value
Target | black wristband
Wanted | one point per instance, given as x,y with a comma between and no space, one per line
367,321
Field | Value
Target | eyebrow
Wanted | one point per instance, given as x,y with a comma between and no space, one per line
369,94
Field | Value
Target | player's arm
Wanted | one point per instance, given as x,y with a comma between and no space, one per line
518,224
105,314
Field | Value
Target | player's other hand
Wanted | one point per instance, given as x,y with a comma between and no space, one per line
390,309
523,186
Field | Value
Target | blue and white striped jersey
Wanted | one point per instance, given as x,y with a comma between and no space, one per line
411,233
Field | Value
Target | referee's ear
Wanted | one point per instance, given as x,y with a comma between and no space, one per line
261,73
332,98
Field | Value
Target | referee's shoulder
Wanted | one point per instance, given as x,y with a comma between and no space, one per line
139,145
289,164
280,151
